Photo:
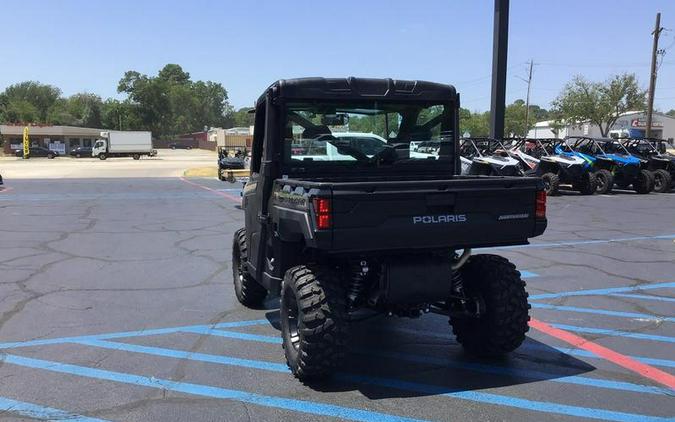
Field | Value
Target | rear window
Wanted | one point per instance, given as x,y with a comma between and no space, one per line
379,136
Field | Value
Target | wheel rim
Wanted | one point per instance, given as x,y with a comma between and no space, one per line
601,182
658,181
291,305
547,185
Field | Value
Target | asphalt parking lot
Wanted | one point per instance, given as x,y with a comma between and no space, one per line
116,304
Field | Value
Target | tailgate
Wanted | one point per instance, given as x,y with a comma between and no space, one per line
458,213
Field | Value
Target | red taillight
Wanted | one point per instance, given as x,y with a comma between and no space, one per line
322,212
540,211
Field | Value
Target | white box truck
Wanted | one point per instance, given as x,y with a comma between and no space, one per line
116,143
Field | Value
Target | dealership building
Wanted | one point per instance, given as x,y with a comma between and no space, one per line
631,123
61,139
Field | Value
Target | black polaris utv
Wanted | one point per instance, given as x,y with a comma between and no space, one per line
344,230
661,165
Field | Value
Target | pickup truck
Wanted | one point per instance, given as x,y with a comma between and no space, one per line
377,228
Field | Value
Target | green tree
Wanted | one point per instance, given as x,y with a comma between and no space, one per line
514,119
120,115
475,124
29,101
600,103
671,112
241,117
171,103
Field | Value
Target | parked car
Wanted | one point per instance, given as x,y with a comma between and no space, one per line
179,146
226,162
38,152
1,182
81,152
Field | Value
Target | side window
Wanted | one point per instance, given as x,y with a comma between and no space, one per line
258,137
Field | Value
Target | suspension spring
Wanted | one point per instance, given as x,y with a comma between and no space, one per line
357,286
457,284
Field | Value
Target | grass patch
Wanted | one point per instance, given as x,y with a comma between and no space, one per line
201,172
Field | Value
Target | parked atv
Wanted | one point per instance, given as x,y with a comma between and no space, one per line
554,167
611,163
661,165
377,229
489,157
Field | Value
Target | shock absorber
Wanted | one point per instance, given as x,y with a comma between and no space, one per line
457,284
357,286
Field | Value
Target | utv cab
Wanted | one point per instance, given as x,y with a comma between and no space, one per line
344,229
489,157
661,165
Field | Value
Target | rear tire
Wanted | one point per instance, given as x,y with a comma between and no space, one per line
605,181
501,329
588,184
663,181
220,175
644,182
136,156
50,156
248,291
551,183
314,325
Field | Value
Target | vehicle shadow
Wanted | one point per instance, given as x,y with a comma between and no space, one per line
396,358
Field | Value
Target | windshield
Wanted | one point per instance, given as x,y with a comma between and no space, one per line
369,135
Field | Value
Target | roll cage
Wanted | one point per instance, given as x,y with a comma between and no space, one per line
481,147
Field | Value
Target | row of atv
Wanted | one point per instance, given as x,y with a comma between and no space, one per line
589,165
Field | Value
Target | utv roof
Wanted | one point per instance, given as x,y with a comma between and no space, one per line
359,88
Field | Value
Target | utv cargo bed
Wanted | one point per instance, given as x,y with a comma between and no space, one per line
462,212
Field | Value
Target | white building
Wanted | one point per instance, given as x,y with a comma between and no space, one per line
631,123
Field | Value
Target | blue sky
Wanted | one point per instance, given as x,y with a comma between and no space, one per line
86,46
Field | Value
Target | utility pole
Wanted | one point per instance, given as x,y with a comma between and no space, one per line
527,99
652,76
500,42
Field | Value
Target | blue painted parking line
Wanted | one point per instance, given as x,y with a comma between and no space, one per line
36,411
588,242
548,349
476,367
180,354
235,335
302,406
601,292
528,274
614,333
480,397
515,402
521,372
586,354
644,297
101,341
618,314
137,333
